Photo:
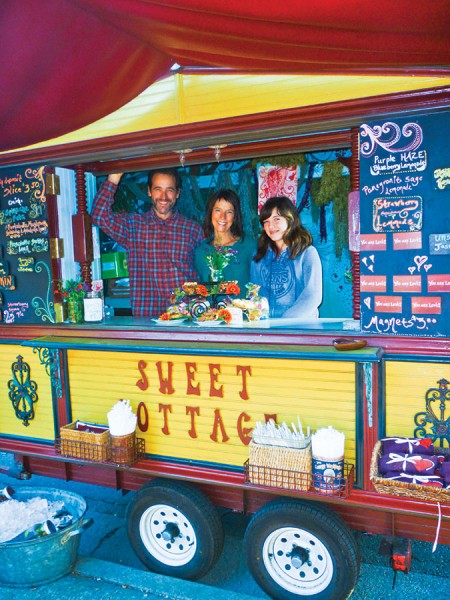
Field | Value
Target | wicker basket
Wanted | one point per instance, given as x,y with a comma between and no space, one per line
275,466
87,445
401,488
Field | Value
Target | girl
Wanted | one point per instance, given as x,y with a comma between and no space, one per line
286,265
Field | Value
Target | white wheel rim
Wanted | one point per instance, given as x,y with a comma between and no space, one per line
297,561
168,535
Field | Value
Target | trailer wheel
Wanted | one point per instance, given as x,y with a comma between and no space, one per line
174,529
297,549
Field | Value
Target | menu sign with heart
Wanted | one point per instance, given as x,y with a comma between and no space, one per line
405,226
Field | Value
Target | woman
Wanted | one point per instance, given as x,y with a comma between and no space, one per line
286,265
222,226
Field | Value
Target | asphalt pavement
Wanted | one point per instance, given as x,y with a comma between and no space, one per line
107,567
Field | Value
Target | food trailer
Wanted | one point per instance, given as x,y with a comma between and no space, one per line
381,371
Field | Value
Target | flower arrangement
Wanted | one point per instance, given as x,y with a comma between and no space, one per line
217,259
73,289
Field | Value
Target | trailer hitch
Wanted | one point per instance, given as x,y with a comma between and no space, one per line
400,552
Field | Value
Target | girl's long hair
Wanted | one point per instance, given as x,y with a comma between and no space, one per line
231,197
296,237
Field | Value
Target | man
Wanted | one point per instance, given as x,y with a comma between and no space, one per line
160,244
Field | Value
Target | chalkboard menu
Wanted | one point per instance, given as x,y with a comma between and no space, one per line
405,226
25,275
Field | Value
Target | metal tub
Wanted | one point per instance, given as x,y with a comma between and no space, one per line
42,560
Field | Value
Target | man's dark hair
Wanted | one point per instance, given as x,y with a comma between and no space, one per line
172,172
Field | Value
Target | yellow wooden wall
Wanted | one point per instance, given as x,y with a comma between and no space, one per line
42,426
321,392
406,387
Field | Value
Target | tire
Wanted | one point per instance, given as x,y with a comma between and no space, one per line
174,529
300,550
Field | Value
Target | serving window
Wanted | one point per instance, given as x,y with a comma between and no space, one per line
318,183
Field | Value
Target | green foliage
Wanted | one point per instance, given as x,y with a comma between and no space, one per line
333,187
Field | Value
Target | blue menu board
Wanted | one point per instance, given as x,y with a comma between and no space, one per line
25,266
405,226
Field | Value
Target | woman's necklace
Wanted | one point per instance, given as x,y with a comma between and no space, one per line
230,242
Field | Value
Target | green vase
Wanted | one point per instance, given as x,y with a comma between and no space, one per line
75,311
216,275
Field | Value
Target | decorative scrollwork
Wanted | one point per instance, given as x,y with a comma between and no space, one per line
430,425
50,360
43,308
23,391
387,135
197,307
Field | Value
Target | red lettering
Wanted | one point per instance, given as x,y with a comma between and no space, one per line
165,385
165,409
214,392
193,410
218,424
244,371
273,417
192,390
142,416
142,384
244,433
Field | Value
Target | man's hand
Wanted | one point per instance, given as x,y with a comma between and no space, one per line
115,178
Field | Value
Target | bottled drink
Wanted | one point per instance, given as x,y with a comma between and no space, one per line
36,531
62,519
6,493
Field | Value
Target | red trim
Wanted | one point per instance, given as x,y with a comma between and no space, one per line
325,141
392,346
237,130
43,456
52,209
370,433
61,416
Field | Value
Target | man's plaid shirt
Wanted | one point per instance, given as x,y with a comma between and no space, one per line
160,253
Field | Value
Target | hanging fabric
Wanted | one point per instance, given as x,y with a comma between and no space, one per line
277,181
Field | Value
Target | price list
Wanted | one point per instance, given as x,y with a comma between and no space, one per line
404,238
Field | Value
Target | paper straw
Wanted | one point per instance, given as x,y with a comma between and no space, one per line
328,443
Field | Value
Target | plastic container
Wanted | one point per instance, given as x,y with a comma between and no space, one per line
328,475
44,559
93,307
